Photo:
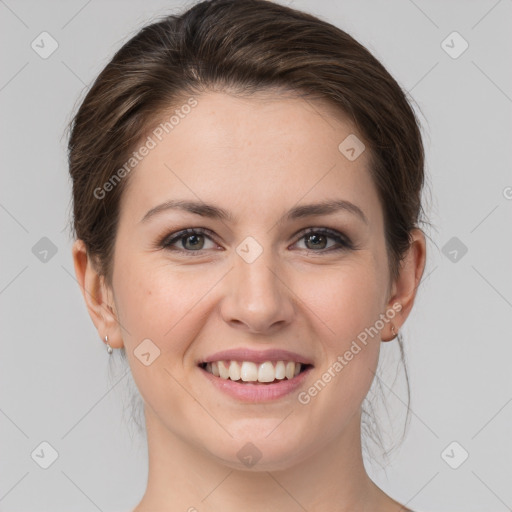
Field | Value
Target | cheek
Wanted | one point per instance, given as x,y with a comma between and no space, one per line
346,298
161,302
156,303
347,303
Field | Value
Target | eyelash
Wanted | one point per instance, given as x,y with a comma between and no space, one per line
344,243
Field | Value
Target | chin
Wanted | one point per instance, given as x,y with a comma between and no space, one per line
257,453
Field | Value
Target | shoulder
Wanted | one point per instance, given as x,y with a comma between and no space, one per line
398,507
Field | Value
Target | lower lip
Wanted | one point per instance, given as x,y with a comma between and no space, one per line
254,392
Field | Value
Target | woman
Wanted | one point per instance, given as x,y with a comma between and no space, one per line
247,196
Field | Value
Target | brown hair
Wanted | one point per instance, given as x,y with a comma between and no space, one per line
242,47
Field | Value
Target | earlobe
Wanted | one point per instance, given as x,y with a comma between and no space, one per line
394,332
96,295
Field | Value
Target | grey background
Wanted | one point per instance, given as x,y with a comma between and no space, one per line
55,384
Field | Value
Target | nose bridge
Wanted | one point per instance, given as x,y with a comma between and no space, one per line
256,296
256,280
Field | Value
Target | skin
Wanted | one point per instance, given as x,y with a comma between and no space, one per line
257,158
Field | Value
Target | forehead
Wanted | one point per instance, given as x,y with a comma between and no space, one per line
266,150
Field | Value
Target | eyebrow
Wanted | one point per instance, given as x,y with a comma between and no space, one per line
298,212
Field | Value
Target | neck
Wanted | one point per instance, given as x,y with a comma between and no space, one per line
187,478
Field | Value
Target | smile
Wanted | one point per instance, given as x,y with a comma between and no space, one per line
273,384
248,371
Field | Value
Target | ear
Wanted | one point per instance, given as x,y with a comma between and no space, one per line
97,296
404,287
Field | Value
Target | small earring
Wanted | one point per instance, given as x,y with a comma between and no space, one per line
393,330
109,348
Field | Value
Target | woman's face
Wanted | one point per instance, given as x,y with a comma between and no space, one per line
254,280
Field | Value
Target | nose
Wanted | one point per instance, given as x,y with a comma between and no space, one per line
257,298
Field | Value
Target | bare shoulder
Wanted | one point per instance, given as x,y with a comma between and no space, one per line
401,508
395,506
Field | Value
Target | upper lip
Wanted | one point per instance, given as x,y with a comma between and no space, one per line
256,356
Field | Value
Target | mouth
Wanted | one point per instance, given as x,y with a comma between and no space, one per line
249,372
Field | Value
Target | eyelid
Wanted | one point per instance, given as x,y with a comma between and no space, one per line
343,241
167,239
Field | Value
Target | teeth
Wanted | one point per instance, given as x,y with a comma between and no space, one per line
280,370
234,371
266,372
247,371
290,370
223,370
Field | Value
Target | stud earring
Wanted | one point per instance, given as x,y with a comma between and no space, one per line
393,331
109,348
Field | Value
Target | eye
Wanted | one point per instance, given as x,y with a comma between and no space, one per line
316,240
192,240
188,240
